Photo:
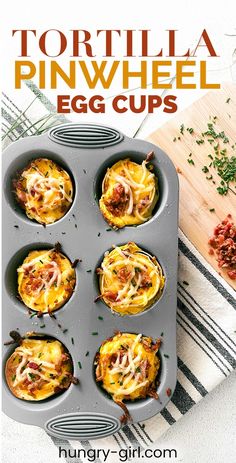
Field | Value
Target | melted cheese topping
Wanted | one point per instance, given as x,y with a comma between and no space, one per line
46,280
129,194
127,366
130,280
44,190
38,369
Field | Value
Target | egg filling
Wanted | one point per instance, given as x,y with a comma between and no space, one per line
38,369
127,366
44,190
130,280
46,280
129,193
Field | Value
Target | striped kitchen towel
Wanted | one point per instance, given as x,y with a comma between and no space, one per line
206,316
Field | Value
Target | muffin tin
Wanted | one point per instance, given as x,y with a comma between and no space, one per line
84,411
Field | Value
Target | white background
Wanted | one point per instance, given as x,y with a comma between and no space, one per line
207,433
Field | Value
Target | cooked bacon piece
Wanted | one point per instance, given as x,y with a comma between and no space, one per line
144,366
232,274
124,274
143,202
74,380
126,417
224,243
111,295
118,201
146,281
33,365
153,393
156,346
118,195
27,382
150,156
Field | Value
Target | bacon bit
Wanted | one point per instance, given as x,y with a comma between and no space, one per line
57,389
118,195
124,273
156,346
144,366
33,365
143,202
146,344
110,295
40,314
232,274
224,243
146,281
178,170
99,271
126,416
74,380
27,382
117,333
149,156
75,263
168,391
153,393
211,252
116,204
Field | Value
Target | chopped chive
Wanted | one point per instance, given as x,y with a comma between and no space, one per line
99,233
87,353
190,130
88,271
162,334
212,209
65,330
228,100
185,283
174,139
79,365
100,318
33,315
181,129
108,229
42,326
166,356
72,340
191,161
94,333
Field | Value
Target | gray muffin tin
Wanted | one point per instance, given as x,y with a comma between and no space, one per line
84,411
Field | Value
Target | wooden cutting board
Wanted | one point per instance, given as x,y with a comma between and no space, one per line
197,194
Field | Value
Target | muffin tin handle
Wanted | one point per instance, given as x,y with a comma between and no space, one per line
90,136
82,425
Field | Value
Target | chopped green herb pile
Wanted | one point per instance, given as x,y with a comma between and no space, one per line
222,159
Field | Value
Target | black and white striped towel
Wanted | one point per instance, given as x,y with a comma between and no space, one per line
206,315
